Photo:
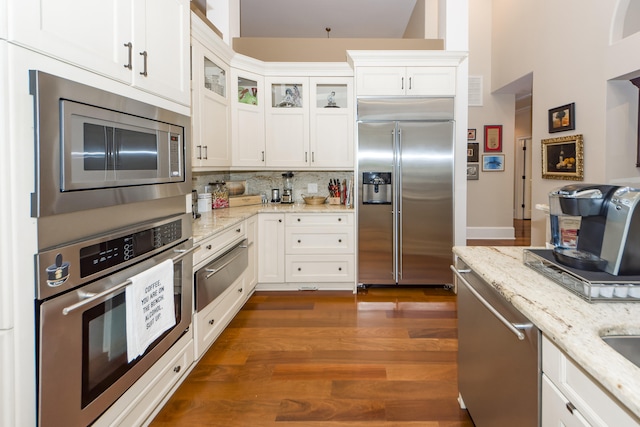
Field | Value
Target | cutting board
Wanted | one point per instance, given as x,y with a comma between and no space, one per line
247,200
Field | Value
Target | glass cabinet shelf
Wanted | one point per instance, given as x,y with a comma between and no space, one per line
331,96
247,91
215,78
286,95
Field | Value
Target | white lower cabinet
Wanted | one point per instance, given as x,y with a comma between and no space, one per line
302,250
571,398
145,398
211,321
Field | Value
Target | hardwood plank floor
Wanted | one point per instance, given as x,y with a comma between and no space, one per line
382,357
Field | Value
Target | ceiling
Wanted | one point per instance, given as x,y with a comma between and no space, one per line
310,18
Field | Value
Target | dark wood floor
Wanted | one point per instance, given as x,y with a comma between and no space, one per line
382,357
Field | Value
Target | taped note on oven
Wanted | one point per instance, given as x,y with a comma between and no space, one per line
150,307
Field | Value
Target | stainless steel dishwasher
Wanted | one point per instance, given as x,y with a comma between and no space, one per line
498,356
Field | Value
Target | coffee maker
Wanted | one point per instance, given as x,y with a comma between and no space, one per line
605,226
287,188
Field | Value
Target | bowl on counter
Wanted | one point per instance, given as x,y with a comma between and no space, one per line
314,200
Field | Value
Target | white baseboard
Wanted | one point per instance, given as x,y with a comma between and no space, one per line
491,233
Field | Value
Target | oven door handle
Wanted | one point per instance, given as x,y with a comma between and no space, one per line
90,297
212,271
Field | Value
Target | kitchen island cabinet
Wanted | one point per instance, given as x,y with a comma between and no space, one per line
271,248
574,327
126,40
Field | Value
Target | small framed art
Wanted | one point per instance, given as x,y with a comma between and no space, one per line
493,139
493,162
472,152
473,171
471,134
562,118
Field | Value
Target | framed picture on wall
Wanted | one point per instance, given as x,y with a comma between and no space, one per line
493,162
473,171
472,152
493,138
562,118
471,134
563,158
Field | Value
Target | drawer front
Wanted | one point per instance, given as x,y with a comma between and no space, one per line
210,247
322,268
324,219
317,241
212,320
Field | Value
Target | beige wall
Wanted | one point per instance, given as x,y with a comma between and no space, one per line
322,50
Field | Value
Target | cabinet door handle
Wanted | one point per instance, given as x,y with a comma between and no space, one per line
306,155
402,84
313,157
206,152
129,46
144,62
263,156
199,147
570,407
410,83
516,328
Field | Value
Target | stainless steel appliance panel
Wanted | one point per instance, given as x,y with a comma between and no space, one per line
214,278
376,249
426,202
54,117
82,363
498,357
411,138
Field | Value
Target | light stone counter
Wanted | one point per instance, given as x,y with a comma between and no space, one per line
572,323
217,220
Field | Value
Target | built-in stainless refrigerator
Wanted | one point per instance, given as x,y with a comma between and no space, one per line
405,197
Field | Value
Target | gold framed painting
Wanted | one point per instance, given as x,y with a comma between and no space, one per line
563,158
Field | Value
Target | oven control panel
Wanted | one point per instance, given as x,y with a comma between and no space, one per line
103,255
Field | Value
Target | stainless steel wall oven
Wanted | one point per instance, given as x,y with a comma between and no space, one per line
112,177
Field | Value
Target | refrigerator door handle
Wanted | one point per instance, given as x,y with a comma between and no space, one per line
399,252
394,198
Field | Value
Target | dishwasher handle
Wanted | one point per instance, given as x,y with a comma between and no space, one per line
516,328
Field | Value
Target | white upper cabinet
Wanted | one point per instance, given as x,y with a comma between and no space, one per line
331,122
247,118
287,122
144,44
210,113
387,81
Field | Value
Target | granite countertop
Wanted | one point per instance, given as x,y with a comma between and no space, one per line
217,220
574,324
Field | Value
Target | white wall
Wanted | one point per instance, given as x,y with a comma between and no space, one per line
566,47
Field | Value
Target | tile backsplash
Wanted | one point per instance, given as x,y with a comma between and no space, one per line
261,182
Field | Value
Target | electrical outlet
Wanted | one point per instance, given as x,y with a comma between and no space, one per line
312,188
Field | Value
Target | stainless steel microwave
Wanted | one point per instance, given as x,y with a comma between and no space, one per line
97,149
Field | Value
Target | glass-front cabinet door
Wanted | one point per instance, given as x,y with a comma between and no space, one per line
287,122
248,119
331,122
210,110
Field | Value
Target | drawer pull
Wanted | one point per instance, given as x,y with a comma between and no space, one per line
339,219
339,240
299,241
279,220
299,269
238,230
339,268
208,247
570,407
212,321
299,219
177,369
239,290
